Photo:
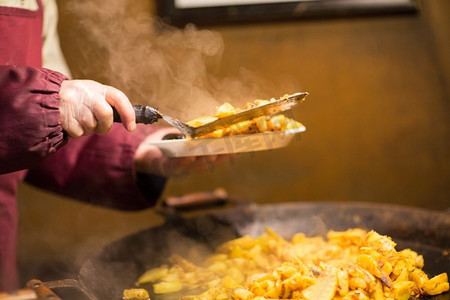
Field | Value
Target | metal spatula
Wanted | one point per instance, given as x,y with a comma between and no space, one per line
149,115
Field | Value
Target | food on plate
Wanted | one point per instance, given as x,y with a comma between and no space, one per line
352,264
277,122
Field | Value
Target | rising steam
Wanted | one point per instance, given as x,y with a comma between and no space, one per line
156,64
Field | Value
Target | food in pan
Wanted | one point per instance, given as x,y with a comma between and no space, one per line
352,264
135,294
277,122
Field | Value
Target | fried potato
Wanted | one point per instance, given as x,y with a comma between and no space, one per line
153,275
352,264
325,286
260,124
225,110
135,294
436,285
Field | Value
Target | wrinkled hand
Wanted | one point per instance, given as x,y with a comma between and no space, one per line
86,107
149,159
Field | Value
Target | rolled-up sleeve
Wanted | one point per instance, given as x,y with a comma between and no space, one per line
29,116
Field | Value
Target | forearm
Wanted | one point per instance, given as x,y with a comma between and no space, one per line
99,169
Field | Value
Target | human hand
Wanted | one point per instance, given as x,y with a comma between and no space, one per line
150,160
86,107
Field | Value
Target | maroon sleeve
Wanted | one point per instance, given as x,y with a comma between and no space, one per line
99,169
29,116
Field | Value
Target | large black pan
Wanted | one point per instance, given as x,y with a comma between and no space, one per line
119,265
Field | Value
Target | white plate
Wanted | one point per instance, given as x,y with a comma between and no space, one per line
227,144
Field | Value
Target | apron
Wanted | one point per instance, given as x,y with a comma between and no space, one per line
21,34
20,44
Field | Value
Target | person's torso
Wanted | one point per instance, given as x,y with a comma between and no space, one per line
21,32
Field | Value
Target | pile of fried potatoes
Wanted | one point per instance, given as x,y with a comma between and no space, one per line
260,124
352,264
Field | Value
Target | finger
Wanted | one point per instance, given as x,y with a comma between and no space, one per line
122,104
70,125
75,130
104,116
88,121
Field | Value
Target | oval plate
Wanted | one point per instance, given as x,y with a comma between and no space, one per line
227,144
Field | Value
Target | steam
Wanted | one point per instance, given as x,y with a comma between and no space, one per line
159,65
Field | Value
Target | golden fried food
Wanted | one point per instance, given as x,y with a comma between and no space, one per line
135,294
260,124
348,265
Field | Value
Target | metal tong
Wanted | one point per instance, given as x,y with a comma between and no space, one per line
149,115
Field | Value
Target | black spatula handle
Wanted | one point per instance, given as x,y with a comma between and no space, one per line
144,114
